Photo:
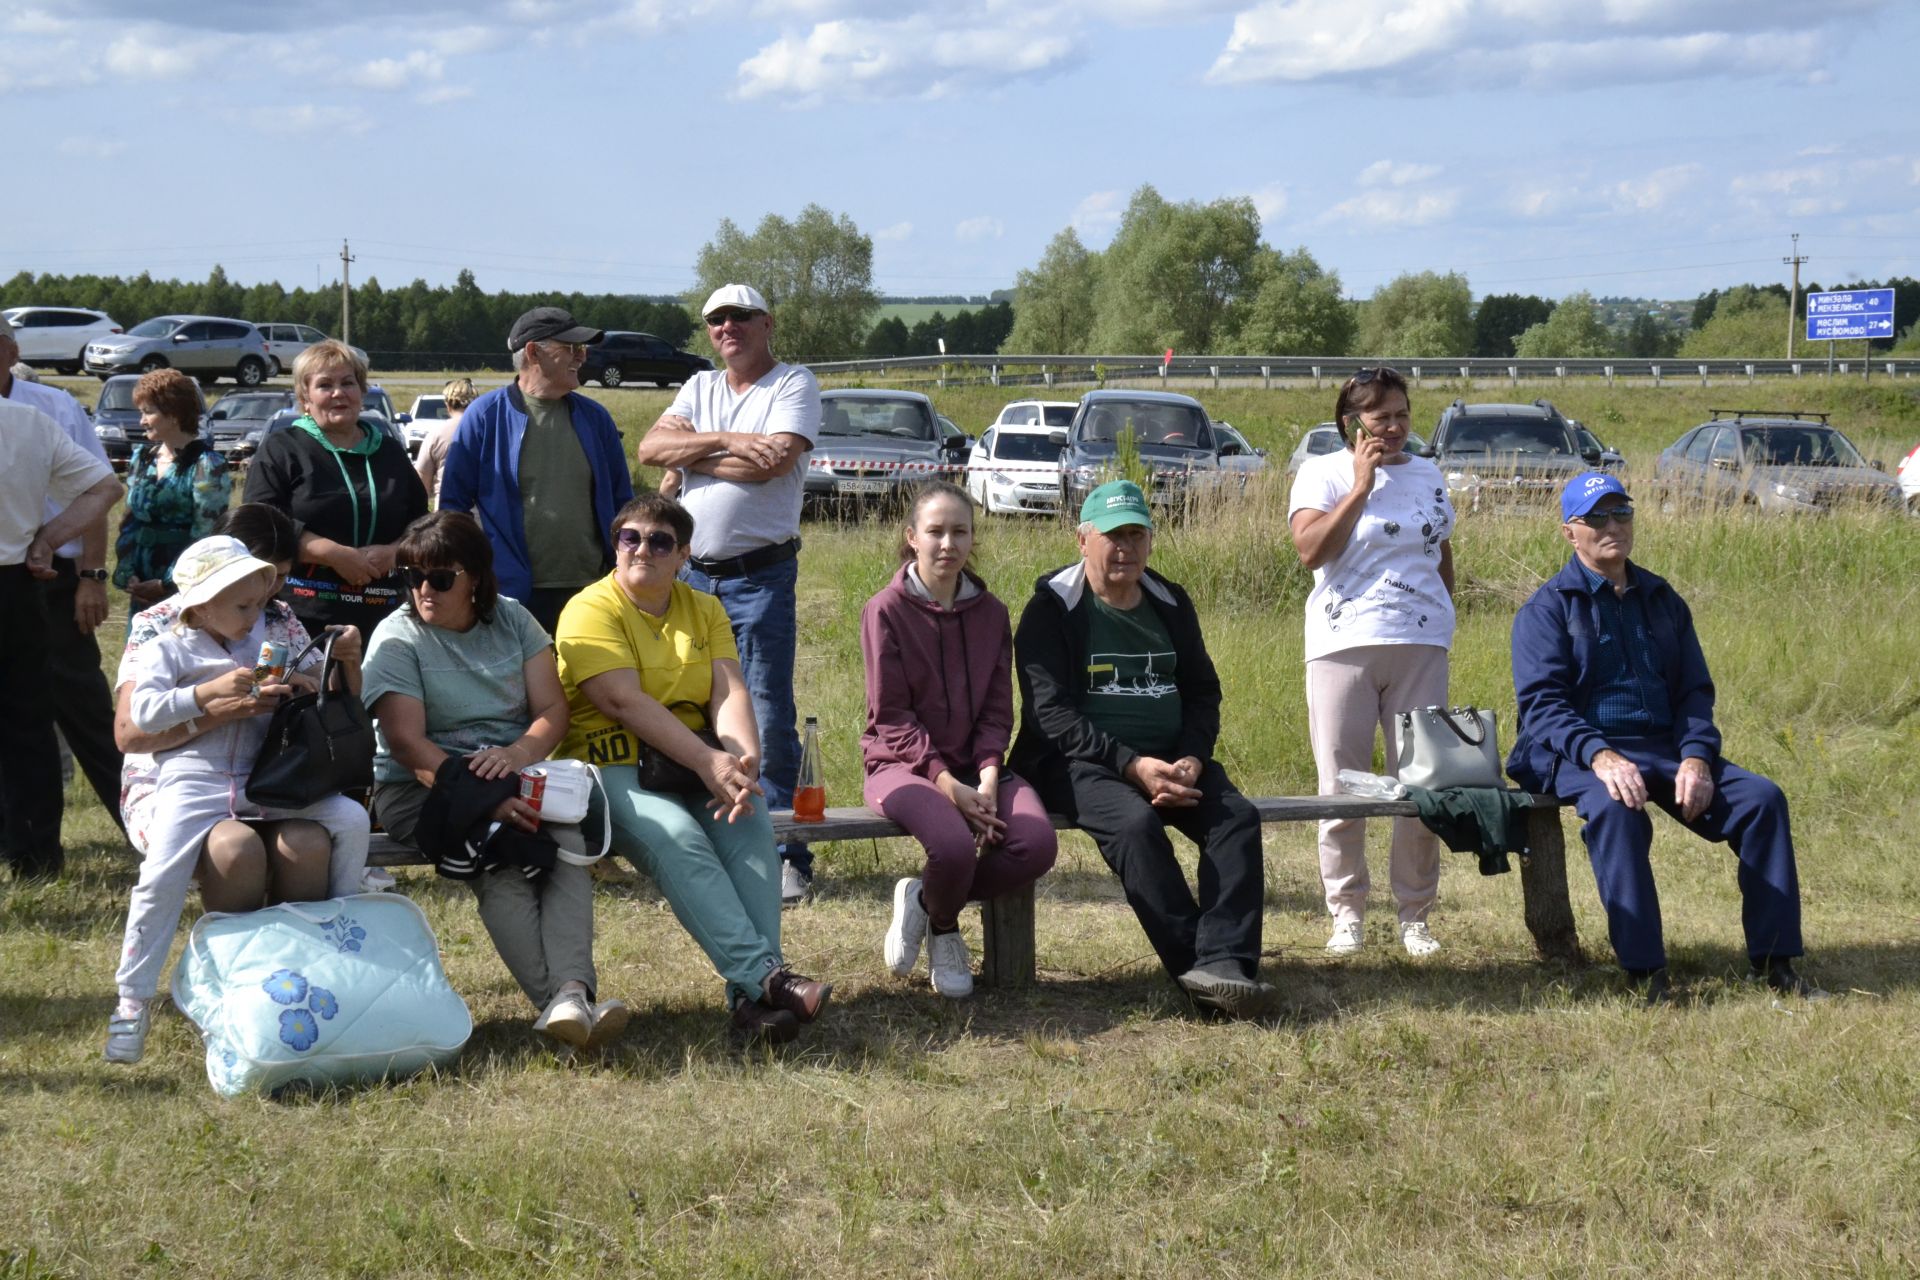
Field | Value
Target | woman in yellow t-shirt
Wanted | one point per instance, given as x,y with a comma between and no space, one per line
657,700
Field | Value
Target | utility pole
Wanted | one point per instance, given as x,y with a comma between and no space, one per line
346,292
1793,298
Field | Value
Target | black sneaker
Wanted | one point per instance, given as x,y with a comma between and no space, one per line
1221,988
1653,986
1780,976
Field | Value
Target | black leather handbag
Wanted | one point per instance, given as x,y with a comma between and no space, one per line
661,773
318,744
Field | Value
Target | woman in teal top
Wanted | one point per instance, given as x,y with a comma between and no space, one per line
177,486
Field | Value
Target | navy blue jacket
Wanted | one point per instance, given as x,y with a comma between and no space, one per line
1553,674
482,475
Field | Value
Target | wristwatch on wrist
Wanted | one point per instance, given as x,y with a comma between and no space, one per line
92,575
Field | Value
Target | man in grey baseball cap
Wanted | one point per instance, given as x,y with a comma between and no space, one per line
737,437
542,467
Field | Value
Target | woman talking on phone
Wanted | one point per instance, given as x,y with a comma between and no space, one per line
1373,522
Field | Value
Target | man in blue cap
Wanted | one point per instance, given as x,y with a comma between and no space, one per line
1121,708
1616,711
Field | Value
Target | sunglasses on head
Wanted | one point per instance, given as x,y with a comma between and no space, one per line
1598,519
438,579
1362,377
659,542
718,318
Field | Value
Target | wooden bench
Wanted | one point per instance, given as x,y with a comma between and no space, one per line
1007,954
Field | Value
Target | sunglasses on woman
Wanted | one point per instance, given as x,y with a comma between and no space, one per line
1362,377
438,579
658,543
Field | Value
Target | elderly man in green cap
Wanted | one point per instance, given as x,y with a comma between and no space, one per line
1121,710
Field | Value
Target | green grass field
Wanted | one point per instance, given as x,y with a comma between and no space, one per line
1476,1114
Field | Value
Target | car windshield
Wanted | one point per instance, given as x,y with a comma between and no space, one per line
1509,435
376,402
1323,442
1798,447
156,328
1025,447
1057,415
249,407
890,419
425,408
1230,436
116,393
1183,426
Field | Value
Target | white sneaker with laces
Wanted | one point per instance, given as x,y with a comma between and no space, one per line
951,965
909,928
567,1018
1348,937
1418,939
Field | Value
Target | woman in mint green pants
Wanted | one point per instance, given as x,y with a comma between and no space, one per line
657,700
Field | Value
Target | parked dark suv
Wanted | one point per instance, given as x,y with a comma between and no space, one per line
620,358
116,423
1173,433
1496,455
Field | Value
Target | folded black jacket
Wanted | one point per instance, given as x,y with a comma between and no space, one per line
454,820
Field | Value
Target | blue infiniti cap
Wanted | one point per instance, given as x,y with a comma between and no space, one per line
1586,489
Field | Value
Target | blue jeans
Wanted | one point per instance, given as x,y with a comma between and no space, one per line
760,605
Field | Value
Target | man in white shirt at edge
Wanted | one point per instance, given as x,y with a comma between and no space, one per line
37,462
74,600
733,443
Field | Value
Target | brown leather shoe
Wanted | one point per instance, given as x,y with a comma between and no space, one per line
754,1020
804,998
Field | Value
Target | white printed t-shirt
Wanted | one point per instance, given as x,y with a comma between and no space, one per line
39,466
733,517
1384,587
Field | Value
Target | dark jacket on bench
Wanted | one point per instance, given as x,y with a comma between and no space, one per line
1050,654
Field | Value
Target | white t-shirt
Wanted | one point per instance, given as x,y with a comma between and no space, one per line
733,517
1384,587
72,419
40,468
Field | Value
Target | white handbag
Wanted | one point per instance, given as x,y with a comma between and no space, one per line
568,799
1442,747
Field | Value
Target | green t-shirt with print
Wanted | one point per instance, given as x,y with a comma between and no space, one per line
556,499
1131,673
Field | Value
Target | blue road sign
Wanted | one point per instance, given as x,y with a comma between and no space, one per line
1849,313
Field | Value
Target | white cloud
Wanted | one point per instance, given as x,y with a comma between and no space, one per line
983,227
443,94
1389,173
308,118
1654,191
1270,201
1097,216
920,56
895,233
1447,45
400,73
91,148
158,53
459,41
1381,209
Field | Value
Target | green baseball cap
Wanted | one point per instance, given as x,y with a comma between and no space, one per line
1114,504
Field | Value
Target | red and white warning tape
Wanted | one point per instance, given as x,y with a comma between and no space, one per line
863,466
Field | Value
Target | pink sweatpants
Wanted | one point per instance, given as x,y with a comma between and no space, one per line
1350,694
955,872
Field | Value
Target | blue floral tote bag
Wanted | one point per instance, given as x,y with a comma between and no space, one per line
340,992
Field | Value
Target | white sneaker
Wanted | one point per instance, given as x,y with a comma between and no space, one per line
567,1019
1418,939
1348,937
951,966
909,928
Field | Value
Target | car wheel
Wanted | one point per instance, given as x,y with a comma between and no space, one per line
251,373
610,376
274,369
149,365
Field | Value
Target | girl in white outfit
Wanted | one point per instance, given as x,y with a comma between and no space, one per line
209,654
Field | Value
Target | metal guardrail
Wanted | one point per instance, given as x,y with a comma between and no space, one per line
1004,370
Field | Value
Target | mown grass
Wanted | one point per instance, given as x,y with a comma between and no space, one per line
1476,1115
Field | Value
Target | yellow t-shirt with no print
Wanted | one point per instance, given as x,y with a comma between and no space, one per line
601,630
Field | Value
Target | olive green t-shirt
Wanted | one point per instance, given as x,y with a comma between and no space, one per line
556,496
1131,669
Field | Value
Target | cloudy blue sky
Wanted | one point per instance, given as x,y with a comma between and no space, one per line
1647,147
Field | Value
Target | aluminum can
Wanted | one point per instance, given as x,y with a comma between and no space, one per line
533,787
271,666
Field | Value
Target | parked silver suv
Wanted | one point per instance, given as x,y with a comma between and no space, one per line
204,347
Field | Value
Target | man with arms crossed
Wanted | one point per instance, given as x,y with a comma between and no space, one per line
737,436
1616,712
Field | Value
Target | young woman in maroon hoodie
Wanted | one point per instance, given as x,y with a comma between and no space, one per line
939,659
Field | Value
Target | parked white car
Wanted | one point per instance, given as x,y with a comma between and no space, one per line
1910,479
1016,467
57,337
428,413
285,342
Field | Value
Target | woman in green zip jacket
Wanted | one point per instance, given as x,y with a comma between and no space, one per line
350,489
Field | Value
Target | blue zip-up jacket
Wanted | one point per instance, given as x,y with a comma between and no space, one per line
1553,671
482,475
